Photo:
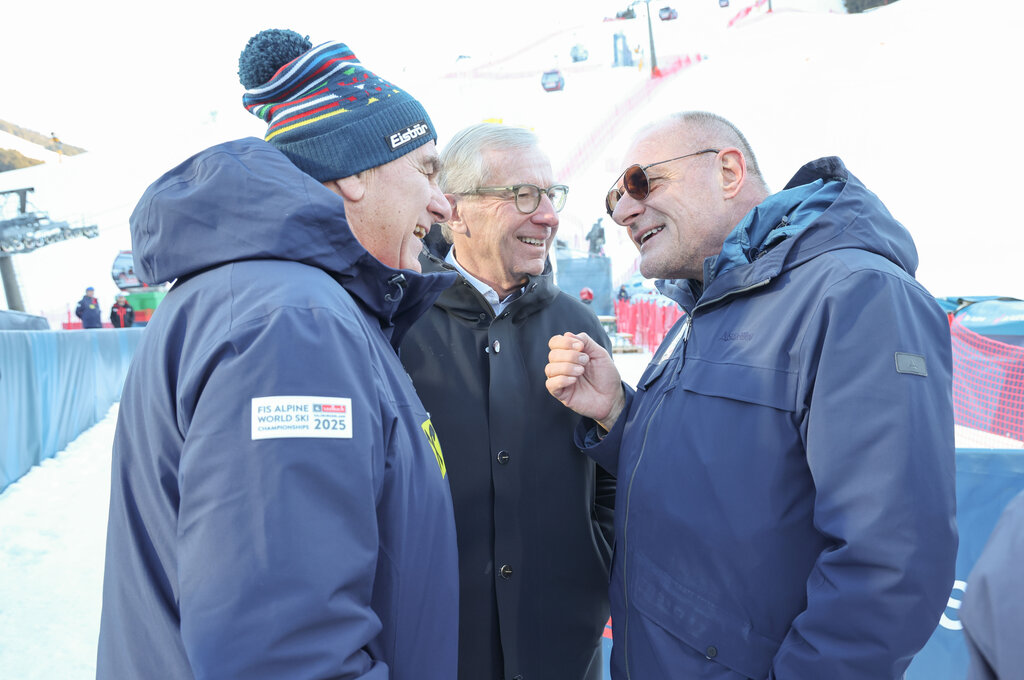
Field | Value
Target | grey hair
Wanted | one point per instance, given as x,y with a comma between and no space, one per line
710,130
464,161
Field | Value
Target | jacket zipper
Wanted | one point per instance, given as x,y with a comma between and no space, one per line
684,336
625,534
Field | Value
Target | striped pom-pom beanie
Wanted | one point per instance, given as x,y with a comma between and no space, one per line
326,112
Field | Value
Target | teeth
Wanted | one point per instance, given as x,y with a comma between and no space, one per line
652,232
532,241
419,232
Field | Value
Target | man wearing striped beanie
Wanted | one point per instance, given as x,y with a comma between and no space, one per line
325,111
279,502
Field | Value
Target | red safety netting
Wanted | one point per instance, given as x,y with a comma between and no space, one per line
988,388
646,321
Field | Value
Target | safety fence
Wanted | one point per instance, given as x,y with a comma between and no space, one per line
54,385
988,386
746,11
646,320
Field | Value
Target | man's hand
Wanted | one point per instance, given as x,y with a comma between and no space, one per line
582,375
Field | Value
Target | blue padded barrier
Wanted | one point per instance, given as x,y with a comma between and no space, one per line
54,385
986,480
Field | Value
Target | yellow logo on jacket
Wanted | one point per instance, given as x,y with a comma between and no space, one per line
435,444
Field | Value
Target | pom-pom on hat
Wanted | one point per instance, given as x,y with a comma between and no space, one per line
327,113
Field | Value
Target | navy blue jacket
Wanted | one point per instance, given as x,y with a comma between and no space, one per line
786,504
279,504
993,608
533,516
88,310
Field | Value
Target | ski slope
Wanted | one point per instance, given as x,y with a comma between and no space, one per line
916,97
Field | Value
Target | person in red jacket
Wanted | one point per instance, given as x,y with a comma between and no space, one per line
122,315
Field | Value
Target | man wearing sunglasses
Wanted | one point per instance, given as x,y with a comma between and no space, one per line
789,450
532,516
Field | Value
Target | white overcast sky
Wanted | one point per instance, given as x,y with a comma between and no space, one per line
91,71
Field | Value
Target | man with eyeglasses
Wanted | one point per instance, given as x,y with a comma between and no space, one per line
789,450
532,516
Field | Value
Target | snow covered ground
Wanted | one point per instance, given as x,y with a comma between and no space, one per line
53,524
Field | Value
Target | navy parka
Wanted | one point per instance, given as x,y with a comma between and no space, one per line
790,509
279,504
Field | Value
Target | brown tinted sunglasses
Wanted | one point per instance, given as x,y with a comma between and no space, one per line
636,183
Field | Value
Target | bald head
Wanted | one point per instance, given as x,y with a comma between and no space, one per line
711,131
701,180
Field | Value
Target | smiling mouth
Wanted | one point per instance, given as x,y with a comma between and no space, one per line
532,241
648,235
420,232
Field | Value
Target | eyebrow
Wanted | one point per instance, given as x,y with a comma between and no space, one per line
432,164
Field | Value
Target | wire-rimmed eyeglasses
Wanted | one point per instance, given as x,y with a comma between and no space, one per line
636,183
527,196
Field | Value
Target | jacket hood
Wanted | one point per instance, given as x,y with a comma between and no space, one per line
244,200
823,208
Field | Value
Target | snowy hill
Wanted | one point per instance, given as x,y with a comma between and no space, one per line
913,96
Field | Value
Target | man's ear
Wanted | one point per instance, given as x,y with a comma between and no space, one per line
351,188
733,171
455,222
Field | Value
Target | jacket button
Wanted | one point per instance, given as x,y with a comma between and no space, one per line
711,652
496,346
506,571
503,457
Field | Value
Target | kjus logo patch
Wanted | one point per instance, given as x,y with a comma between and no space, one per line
435,444
406,135
913,364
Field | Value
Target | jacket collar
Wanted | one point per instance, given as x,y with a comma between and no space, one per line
464,301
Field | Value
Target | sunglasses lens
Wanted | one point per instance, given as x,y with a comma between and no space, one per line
635,182
610,201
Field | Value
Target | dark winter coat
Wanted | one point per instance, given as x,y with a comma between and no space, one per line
790,511
122,316
533,515
993,608
88,310
279,505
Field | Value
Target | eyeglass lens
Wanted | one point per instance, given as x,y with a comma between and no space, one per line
528,197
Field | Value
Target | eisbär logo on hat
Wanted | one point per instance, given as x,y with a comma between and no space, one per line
331,116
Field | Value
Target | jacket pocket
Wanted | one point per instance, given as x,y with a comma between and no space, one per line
752,384
713,630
